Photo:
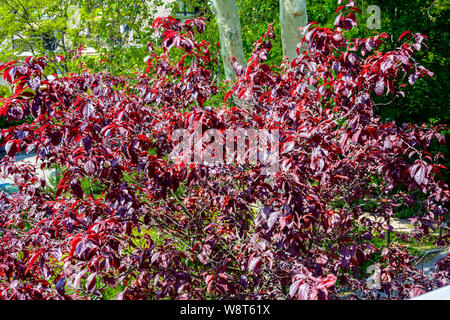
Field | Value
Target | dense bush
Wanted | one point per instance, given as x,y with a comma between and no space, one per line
126,216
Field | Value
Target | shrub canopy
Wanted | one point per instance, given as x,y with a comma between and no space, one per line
123,214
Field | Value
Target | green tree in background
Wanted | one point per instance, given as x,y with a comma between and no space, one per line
428,101
118,31
35,28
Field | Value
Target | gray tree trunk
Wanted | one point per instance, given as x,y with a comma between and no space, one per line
230,34
292,16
